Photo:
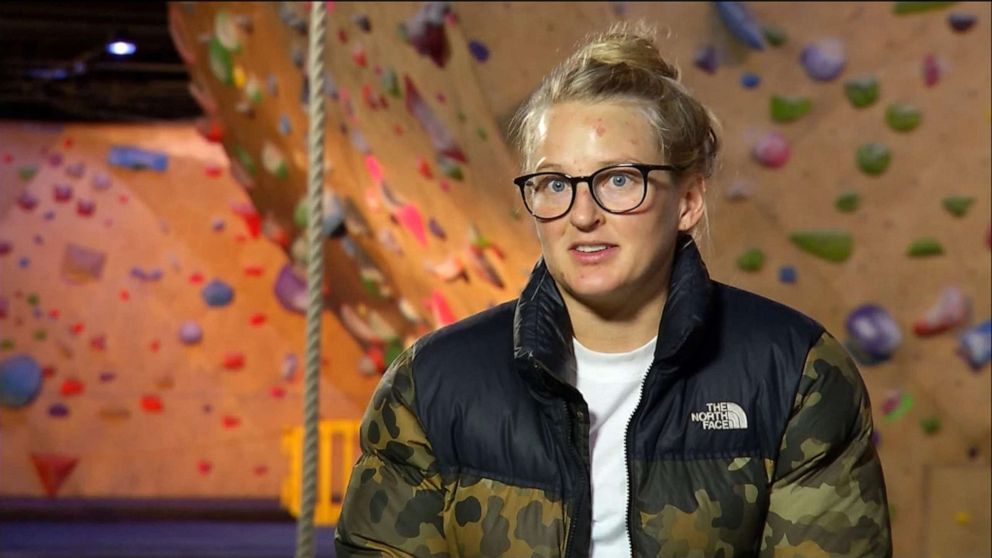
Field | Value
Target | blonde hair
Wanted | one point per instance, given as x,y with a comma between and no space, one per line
624,65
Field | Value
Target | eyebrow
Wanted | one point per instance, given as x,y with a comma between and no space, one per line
602,164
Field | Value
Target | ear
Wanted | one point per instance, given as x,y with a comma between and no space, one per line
692,203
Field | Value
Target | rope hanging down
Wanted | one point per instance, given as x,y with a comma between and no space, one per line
315,266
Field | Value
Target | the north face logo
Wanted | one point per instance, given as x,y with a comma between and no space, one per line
721,416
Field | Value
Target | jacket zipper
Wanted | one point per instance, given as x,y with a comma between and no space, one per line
626,454
577,512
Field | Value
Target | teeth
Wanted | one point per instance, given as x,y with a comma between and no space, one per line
596,248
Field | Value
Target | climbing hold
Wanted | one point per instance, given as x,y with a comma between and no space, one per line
952,310
787,274
957,205
930,425
896,405
233,360
741,23
927,246
20,381
874,331
424,168
58,410
85,208
285,127
975,345
27,201
256,319
439,309
771,150
290,289
362,21
962,518
135,158
441,137
289,366
107,376
114,413
217,293
483,268
5,248
902,117
861,91
190,333
751,260
932,70
274,161
847,202
253,89
873,158
961,22
221,62
436,229
831,245
449,269
101,181
227,32
824,60
71,387
750,80
53,469
450,169
151,404
775,36
81,265
706,59
479,51
230,421
903,8
76,170
425,32
358,56
789,108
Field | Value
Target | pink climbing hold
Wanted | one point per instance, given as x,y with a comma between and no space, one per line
440,311
374,169
952,310
772,150
413,221
931,70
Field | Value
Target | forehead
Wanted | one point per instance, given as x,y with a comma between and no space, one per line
588,133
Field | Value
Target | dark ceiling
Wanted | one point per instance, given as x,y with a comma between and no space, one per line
53,63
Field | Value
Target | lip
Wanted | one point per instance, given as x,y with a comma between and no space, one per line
588,258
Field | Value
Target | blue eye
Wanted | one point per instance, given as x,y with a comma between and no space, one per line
618,180
558,185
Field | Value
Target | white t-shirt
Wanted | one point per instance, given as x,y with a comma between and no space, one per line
611,385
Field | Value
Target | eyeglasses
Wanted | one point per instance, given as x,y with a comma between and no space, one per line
617,189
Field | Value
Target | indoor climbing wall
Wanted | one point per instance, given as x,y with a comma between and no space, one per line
146,348
854,186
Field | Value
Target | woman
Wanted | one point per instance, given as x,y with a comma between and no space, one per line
625,404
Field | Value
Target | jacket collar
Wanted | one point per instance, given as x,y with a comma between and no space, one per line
542,331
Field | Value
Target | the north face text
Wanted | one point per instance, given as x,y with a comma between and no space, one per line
721,416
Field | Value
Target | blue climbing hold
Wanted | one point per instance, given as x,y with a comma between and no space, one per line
217,293
750,80
741,24
479,51
874,331
787,274
20,381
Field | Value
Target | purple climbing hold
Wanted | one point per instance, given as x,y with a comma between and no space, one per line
706,59
217,293
190,333
108,376
291,289
62,193
76,170
101,181
289,366
478,50
961,21
217,224
58,410
975,344
874,331
138,273
741,24
436,229
824,60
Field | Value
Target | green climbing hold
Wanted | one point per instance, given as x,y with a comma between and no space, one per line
461,117
371,287
481,132
245,159
253,90
393,350
874,158
391,83
958,205
7,344
930,425
221,64
27,172
900,408
751,260
861,91
301,214
902,117
925,247
848,202
786,108
903,8
274,161
40,334
774,35
33,299
831,245
227,32
450,169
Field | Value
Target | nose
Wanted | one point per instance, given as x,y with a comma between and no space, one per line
586,213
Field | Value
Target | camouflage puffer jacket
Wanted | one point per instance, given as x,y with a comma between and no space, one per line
751,437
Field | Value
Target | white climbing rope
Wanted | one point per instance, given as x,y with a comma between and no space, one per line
315,273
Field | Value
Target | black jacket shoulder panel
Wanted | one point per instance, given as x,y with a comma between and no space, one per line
733,395
476,408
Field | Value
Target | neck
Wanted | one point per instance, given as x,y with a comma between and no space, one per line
618,329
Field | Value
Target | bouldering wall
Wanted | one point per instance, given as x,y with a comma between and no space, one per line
854,186
143,349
